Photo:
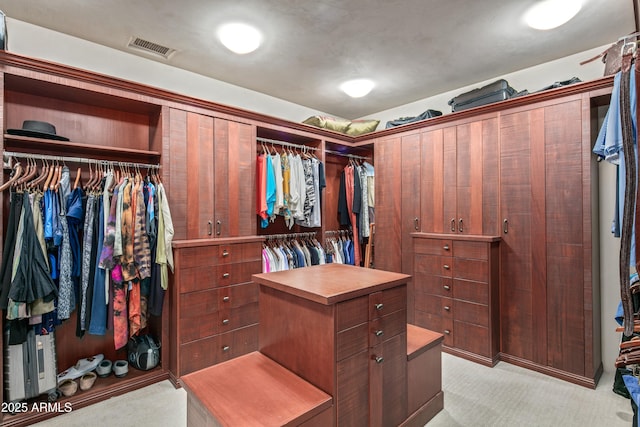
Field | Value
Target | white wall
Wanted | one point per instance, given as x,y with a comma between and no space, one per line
30,40
532,79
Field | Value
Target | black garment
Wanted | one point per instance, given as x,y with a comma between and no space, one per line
9,245
32,280
343,212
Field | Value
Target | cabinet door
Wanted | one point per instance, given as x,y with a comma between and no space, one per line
195,133
470,177
520,283
388,238
388,382
544,303
234,185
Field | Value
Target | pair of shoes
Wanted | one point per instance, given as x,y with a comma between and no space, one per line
87,380
120,368
68,387
80,368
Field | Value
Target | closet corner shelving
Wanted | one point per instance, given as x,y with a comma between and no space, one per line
105,120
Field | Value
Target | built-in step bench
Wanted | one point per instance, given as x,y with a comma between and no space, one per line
424,374
253,390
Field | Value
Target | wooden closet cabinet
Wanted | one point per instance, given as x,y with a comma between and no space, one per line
343,329
460,177
456,292
105,119
214,307
215,176
549,293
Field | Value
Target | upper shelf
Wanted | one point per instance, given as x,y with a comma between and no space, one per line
25,144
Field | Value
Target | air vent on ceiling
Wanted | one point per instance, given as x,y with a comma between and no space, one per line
150,47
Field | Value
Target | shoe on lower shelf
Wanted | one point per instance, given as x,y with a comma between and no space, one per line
82,367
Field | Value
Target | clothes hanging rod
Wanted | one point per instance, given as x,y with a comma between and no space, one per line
286,144
352,156
79,160
290,235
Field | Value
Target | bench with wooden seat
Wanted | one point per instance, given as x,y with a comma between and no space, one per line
424,374
253,390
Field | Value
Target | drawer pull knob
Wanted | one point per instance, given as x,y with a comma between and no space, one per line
446,287
446,266
379,306
226,299
225,275
225,322
448,332
379,333
445,247
225,253
378,359
226,348
447,308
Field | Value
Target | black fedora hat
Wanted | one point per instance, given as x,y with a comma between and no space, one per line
37,129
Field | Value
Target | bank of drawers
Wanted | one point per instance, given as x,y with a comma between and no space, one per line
216,310
456,293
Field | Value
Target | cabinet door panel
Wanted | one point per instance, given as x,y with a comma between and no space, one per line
352,396
467,290
432,186
471,269
388,238
450,174
234,179
472,338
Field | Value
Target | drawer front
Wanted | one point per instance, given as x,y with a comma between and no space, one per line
435,285
198,304
351,313
200,278
387,301
471,269
468,312
386,327
208,256
472,338
238,295
441,247
467,290
209,351
351,341
240,252
231,274
429,303
237,342
233,318
473,250
436,323
433,265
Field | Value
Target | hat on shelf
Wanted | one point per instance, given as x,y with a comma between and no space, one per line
37,129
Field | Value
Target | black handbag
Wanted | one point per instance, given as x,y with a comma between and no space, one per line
404,120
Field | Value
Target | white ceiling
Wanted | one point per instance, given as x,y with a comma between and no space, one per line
413,49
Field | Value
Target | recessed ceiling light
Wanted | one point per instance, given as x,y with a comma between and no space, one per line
357,88
548,14
239,38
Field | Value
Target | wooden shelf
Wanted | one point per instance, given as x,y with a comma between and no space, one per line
25,144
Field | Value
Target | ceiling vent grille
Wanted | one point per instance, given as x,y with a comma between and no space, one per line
150,47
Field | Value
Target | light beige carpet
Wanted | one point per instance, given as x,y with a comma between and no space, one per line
474,395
